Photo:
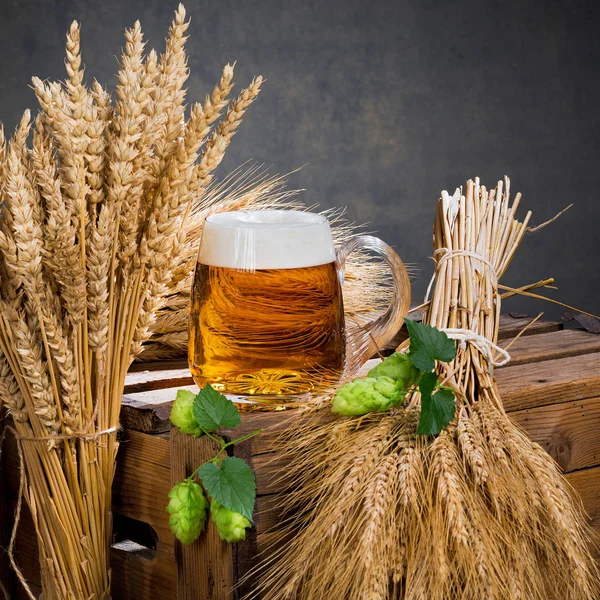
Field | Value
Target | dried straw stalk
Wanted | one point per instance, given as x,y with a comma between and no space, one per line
376,512
251,188
92,230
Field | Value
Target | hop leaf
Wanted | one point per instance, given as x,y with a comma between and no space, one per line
232,484
428,344
182,413
188,509
437,410
231,525
398,367
213,410
371,394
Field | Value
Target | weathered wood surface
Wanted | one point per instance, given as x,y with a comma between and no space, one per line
148,397
528,385
143,475
135,576
549,382
552,345
205,569
586,484
569,432
551,389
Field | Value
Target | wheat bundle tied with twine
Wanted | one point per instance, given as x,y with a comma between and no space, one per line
480,511
92,230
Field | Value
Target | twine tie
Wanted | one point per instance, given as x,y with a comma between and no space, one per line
446,253
485,346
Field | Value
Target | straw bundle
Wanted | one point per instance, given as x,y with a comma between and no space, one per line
91,232
376,512
367,292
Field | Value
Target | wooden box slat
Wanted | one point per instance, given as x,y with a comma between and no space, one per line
205,569
552,345
135,576
509,326
549,381
142,476
569,432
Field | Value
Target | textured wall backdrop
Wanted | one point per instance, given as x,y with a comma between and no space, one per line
387,102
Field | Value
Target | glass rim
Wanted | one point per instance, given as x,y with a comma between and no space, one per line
303,219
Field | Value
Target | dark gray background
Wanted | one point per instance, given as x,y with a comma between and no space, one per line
387,102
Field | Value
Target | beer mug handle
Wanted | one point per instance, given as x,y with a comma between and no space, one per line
364,340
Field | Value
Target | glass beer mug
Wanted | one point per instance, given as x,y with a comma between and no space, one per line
267,314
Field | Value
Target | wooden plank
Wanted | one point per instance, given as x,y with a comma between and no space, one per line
522,386
205,568
586,484
142,481
548,346
509,326
266,469
549,382
145,417
149,411
567,431
135,577
268,513
148,397
159,365
141,381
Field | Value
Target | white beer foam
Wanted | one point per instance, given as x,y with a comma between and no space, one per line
266,239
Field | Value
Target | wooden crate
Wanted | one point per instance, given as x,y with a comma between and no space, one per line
551,388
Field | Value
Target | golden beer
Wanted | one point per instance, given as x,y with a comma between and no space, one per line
266,314
267,331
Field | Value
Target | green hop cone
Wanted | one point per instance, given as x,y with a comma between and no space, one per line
399,367
231,525
362,396
182,413
188,509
